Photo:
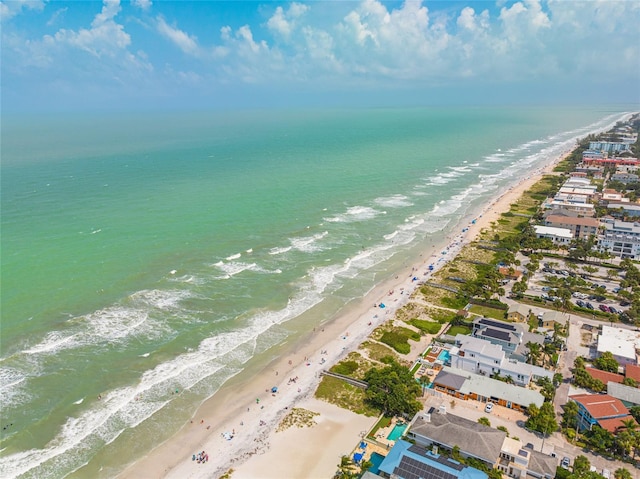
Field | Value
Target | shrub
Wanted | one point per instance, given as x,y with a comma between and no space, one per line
429,327
345,368
397,341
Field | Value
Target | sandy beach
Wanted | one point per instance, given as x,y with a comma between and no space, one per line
236,428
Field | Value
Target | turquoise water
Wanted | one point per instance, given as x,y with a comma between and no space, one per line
376,459
397,432
155,253
444,356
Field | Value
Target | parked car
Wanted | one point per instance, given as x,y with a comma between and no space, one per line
589,305
606,473
613,310
565,462
580,303
488,407
624,303
604,308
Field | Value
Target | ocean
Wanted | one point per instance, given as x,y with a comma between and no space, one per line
147,259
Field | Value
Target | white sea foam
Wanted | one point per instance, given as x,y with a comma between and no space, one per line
390,236
355,213
250,250
395,201
79,401
233,256
279,250
55,341
308,244
161,299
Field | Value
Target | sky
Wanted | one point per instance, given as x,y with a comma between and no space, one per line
152,54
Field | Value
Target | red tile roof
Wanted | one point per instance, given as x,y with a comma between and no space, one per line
612,425
605,376
601,405
632,371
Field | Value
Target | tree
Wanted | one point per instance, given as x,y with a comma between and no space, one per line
580,465
424,382
630,382
570,415
542,419
635,412
393,390
606,362
533,355
622,473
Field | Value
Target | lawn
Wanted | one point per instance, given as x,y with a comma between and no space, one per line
458,330
488,312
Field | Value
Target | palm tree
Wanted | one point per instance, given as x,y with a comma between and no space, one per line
424,382
534,352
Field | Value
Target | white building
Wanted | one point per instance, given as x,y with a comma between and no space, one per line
620,238
557,235
482,357
622,343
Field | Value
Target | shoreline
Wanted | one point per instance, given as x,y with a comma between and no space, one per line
235,409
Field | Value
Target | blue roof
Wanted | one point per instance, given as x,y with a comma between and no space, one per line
404,451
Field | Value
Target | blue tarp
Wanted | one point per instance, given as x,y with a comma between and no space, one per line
363,445
381,305
357,457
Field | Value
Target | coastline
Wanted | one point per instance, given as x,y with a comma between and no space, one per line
234,409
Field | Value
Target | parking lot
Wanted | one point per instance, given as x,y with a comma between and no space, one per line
592,291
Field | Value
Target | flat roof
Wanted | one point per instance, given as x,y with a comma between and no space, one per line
620,342
552,230
572,220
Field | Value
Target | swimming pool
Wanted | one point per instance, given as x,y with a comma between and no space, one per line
444,356
397,432
376,459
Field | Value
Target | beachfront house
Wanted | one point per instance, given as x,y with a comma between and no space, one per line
411,461
623,209
556,235
580,227
445,430
482,357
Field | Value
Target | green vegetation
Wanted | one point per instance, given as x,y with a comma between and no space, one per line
344,395
393,390
459,329
378,352
429,327
382,423
606,362
345,368
485,421
398,339
487,312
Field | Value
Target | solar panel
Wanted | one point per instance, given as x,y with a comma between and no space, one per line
410,468
492,333
496,324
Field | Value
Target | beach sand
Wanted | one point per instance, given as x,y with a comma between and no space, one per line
250,413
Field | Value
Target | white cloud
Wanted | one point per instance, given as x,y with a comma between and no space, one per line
142,4
187,43
105,37
284,23
14,7
57,15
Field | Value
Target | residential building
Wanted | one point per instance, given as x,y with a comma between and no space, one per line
556,235
620,238
608,146
411,461
601,410
519,313
622,343
583,209
506,335
629,395
467,385
482,357
623,209
605,376
610,161
625,178
446,430
551,318
474,440
612,196
510,273
580,227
